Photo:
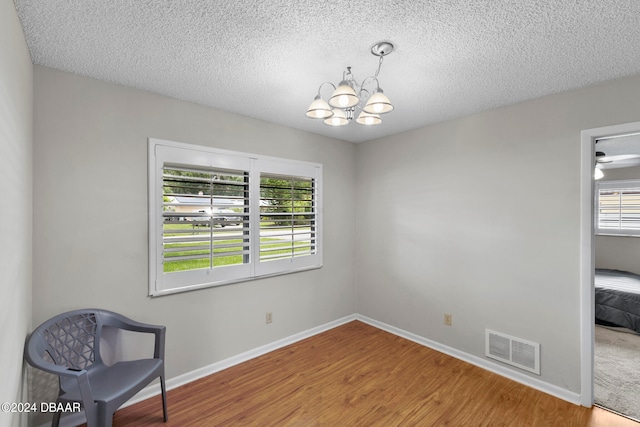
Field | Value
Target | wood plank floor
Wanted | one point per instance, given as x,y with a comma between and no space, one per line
358,375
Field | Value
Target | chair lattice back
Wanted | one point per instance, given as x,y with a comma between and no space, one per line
72,341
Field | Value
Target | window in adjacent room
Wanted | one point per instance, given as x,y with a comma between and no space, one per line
618,207
218,217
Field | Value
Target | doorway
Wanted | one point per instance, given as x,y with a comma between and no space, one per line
588,264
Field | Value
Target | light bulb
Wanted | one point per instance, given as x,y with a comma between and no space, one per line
368,119
337,119
344,96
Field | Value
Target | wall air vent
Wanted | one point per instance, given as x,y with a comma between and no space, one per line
513,351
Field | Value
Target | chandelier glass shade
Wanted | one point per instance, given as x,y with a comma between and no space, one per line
338,118
350,95
378,103
319,109
344,96
368,119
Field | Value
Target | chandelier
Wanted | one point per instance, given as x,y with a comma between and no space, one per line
349,95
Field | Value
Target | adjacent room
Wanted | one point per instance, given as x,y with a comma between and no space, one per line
617,275
252,175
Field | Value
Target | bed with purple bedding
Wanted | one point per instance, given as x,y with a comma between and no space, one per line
617,297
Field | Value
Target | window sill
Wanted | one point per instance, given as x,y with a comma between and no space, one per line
228,282
617,235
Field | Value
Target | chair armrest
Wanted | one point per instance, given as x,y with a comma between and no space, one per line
123,322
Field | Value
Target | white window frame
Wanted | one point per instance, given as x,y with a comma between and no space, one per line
622,185
161,152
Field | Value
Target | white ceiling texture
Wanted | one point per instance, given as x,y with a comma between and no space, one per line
266,59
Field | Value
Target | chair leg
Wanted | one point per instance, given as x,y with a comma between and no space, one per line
164,398
106,421
104,416
55,422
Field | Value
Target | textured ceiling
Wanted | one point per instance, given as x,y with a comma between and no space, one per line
266,59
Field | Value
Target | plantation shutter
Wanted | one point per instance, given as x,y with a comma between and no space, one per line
287,217
618,207
205,218
218,217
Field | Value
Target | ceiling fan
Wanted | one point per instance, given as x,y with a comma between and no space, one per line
622,151
603,161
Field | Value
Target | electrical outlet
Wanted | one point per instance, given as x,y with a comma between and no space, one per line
447,319
269,317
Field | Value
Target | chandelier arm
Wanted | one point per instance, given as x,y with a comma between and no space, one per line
362,89
326,83
365,82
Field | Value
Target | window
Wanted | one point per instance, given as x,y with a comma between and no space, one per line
618,207
218,217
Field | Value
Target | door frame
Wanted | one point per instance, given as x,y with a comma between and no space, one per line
587,249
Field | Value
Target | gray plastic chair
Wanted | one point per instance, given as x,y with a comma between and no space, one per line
68,345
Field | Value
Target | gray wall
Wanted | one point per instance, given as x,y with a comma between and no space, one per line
90,219
618,252
16,145
480,217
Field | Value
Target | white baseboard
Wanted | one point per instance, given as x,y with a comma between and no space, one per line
521,378
486,364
